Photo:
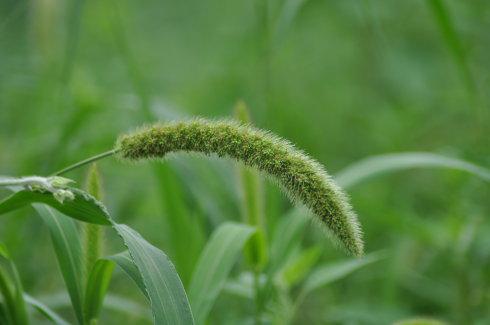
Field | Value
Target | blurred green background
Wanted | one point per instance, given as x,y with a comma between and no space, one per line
342,80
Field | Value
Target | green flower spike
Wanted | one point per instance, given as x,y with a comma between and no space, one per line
301,177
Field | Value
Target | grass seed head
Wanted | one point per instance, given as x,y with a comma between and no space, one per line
301,177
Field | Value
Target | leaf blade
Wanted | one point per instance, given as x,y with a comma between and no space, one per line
68,249
45,310
83,207
97,285
376,165
214,265
168,299
331,272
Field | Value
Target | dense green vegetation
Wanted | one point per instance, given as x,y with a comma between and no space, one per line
391,97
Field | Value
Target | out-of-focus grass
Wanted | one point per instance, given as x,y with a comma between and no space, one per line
341,81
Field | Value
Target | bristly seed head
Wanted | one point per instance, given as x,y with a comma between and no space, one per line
303,178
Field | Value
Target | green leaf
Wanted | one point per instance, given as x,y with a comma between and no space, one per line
214,266
286,237
97,285
112,302
45,310
125,262
185,236
452,39
157,275
167,296
376,165
331,272
12,291
297,269
83,207
68,248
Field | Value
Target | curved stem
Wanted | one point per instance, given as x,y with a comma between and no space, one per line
86,162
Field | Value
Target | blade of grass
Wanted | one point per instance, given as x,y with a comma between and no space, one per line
97,285
377,165
299,267
453,41
214,266
11,288
328,273
112,302
83,207
286,237
125,262
99,271
185,235
331,272
8,306
45,311
167,296
68,248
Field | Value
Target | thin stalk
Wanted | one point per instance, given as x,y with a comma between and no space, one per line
86,162
93,235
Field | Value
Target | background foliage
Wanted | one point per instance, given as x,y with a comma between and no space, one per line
341,79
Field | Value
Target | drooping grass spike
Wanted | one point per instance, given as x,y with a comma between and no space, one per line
302,178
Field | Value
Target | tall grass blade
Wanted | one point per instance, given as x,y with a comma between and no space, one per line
92,234
11,290
453,41
97,285
45,310
331,272
185,235
286,237
112,302
168,299
125,262
68,249
214,266
377,165
298,268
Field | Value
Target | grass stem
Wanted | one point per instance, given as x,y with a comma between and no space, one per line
86,162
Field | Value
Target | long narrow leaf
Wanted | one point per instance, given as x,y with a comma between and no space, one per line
45,310
452,39
214,266
112,302
11,289
286,237
331,272
83,207
68,248
125,262
168,300
97,285
376,165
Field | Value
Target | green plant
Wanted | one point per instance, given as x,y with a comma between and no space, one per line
87,274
